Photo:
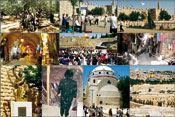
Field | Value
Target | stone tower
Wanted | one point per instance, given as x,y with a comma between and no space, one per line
113,3
158,5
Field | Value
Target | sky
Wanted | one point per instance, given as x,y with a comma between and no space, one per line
141,4
157,68
82,34
120,71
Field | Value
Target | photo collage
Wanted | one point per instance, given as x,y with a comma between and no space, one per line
87,58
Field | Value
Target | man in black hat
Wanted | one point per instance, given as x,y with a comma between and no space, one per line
68,90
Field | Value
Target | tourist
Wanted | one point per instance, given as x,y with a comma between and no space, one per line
101,111
90,19
82,20
120,113
105,21
110,112
63,22
121,26
127,113
85,110
86,22
67,18
93,112
77,25
113,24
68,90
96,20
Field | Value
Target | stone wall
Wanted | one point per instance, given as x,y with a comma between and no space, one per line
7,89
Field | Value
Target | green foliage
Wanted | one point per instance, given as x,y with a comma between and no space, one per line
164,15
17,7
136,81
123,17
150,21
33,77
97,11
73,2
123,86
134,16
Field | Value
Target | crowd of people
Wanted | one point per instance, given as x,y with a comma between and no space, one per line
86,57
81,21
93,111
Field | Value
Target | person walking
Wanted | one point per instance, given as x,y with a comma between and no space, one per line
68,90
113,24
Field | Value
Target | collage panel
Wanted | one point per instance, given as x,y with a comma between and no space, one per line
90,49
50,48
21,90
30,16
148,16
88,16
29,48
21,49
152,91
148,48
62,91
106,91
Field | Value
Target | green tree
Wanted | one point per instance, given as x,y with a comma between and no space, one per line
164,15
123,86
33,77
150,21
134,16
97,11
123,17
143,16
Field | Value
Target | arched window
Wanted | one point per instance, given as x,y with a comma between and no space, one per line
94,81
109,82
101,102
99,72
107,72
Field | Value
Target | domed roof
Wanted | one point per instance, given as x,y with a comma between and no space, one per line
102,68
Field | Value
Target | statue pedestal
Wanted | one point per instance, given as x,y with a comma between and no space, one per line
23,109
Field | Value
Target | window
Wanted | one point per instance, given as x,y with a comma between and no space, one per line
101,102
109,82
99,72
94,81
107,72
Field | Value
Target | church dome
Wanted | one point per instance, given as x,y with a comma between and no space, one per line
102,68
